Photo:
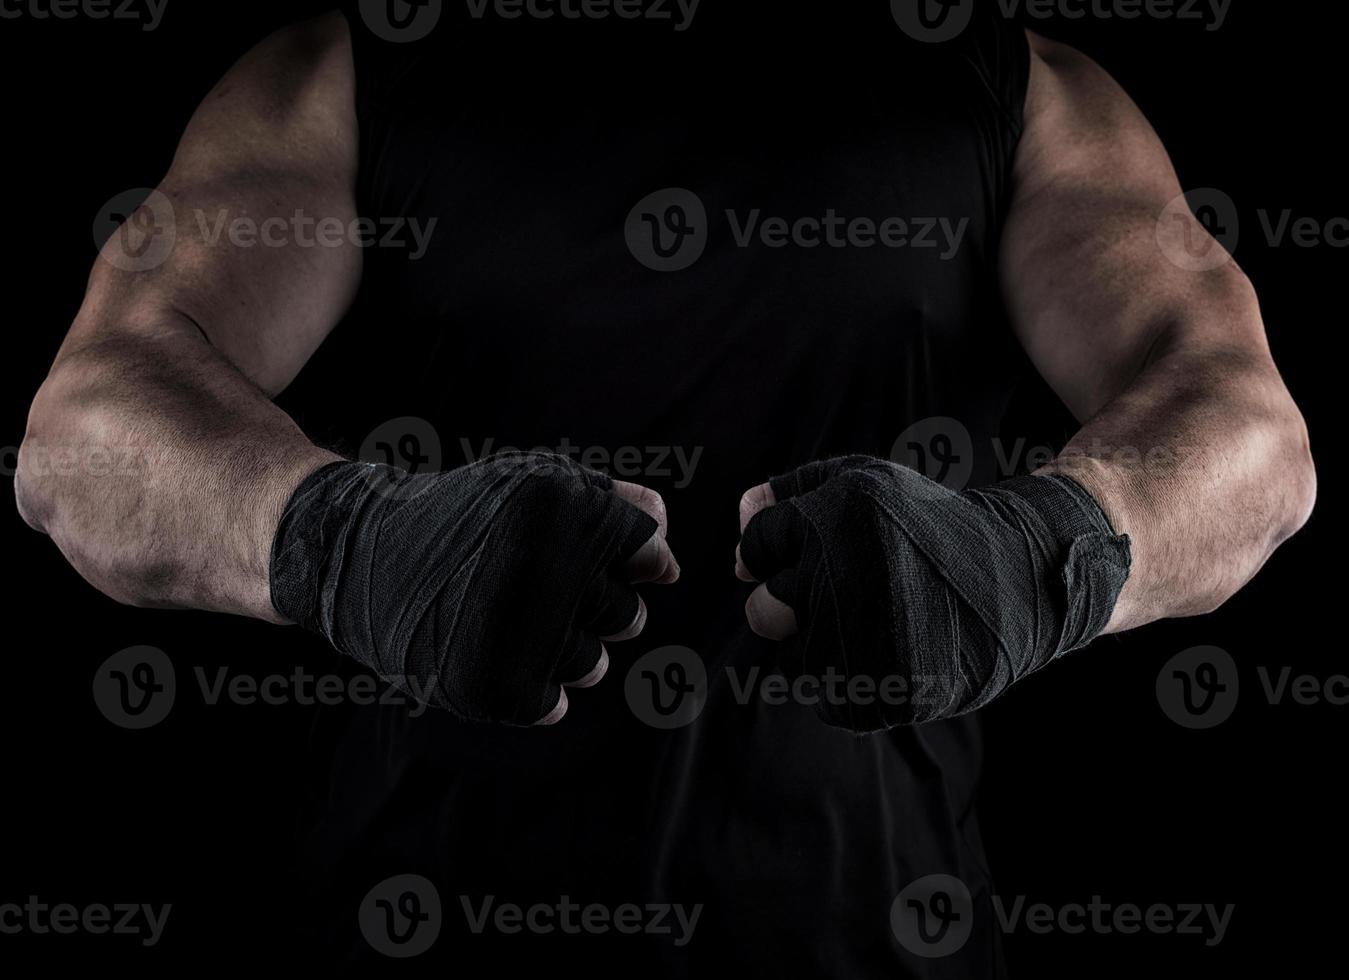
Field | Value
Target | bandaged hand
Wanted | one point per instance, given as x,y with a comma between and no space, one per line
938,600
483,590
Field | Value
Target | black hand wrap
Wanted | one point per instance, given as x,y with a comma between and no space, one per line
481,590
959,594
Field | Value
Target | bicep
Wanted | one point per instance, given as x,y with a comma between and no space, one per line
232,245
1085,272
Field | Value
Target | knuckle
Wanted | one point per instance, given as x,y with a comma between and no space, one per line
547,494
755,615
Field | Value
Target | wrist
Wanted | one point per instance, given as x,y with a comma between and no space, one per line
1064,503
298,563
1117,492
1083,562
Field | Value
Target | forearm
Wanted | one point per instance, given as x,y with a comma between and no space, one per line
1203,461
159,470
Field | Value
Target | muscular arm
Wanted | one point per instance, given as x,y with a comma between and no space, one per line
1190,441
1190,445
154,457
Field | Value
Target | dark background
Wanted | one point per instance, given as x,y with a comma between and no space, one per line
1089,788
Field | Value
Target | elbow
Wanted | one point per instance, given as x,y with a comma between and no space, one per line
70,515
26,499
1289,481
74,484
32,492
1300,483
39,465
1288,471
69,445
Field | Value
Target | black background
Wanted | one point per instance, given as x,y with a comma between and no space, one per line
1089,789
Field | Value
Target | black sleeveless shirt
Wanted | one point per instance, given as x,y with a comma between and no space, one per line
695,258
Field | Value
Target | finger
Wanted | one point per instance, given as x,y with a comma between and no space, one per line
652,562
596,673
814,475
755,499
741,572
609,608
772,541
637,527
769,616
587,663
647,500
583,653
785,587
560,709
644,555
633,629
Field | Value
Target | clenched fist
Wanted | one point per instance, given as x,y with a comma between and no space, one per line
490,586
871,570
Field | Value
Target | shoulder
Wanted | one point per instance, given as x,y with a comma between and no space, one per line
1080,121
288,103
